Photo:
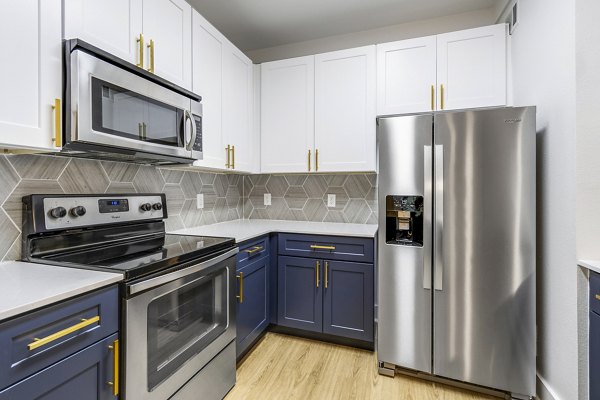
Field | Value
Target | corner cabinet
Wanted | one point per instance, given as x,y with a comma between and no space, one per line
153,34
31,74
223,75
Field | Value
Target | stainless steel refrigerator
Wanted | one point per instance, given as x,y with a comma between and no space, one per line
457,236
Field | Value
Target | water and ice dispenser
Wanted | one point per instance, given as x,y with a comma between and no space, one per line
404,220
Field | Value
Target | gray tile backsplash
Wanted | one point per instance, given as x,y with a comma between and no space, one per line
226,196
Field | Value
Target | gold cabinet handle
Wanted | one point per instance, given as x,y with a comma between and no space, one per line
140,40
254,249
55,336
320,247
232,157
240,296
597,297
317,274
151,47
442,97
115,382
308,160
57,125
432,97
317,160
326,274
228,151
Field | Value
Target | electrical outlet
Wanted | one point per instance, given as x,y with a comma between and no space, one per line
200,200
331,200
267,199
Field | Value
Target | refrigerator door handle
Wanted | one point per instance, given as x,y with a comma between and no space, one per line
427,206
439,218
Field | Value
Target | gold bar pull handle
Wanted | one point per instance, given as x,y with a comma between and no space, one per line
151,47
597,297
317,272
253,250
432,97
326,274
317,160
140,40
57,125
228,152
442,97
232,157
309,160
320,247
240,296
55,336
115,382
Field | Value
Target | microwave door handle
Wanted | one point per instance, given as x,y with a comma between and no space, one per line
188,116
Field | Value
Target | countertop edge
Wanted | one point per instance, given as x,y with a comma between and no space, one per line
592,265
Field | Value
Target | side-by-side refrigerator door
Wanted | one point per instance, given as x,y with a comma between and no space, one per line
405,241
484,248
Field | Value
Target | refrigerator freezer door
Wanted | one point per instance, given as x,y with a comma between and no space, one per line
404,266
484,301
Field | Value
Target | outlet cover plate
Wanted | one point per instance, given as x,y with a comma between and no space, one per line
200,200
331,200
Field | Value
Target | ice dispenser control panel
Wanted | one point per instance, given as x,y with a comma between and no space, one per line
404,220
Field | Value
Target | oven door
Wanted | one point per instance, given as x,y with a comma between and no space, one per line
175,324
112,107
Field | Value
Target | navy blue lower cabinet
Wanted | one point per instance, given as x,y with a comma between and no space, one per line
594,355
252,303
86,375
300,297
348,299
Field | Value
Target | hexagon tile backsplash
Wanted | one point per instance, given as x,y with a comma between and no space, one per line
226,196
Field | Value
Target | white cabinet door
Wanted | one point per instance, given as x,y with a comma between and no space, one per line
237,107
168,26
472,67
287,115
345,110
30,72
406,76
112,25
207,82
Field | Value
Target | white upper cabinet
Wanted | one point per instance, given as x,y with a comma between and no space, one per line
406,76
287,115
112,25
168,35
153,34
471,67
208,82
345,110
30,73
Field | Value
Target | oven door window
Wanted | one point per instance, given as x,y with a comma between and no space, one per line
121,112
183,322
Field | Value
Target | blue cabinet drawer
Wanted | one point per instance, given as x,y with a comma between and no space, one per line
329,247
37,340
595,292
251,251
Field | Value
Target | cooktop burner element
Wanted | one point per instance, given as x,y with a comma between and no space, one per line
113,232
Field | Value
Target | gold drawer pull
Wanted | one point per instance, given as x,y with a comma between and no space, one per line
115,382
319,247
317,273
326,274
55,336
240,297
597,297
254,249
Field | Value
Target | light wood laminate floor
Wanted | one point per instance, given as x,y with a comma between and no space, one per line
288,367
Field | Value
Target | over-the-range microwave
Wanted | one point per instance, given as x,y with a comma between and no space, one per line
116,110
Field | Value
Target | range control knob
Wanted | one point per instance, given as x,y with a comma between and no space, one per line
146,207
58,212
78,211
157,206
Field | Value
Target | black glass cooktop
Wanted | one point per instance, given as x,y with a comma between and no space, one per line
138,258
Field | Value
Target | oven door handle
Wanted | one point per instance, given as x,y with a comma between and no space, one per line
163,279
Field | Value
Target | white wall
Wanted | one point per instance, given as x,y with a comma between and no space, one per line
387,34
543,63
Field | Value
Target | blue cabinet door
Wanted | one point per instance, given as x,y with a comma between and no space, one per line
300,293
348,299
594,356
252,305
82,376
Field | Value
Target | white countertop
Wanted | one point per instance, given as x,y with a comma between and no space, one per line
590,264
245,229
27,286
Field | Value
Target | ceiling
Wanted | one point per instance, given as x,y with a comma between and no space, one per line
257,24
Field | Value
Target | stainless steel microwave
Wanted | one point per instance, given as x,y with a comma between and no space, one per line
115,110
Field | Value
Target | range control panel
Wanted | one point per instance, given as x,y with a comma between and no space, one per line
81,211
